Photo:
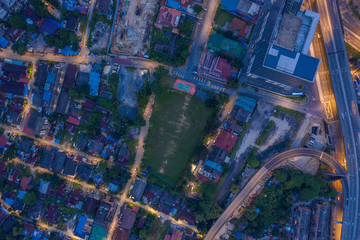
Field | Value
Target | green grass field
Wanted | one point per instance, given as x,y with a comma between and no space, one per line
223,17
176,127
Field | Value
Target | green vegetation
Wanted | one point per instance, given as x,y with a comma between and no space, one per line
159,229
62,39
96,17
181,49
31,28
275,201
295,114
76,93
265,133
177,126
30,198
233,82
186,27
197,8
222,17
19,47
252,160
353,54
17,21
40,8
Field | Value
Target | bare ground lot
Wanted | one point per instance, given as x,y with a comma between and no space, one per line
132,32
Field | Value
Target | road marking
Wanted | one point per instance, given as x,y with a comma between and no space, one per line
321,155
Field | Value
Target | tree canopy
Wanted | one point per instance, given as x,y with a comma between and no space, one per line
19,47
17,21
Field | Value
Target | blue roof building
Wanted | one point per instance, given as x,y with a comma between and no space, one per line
3,42
246,103
51,78
83,228
44,187
94,82
230,5
47,96
173,4
214,165
48,26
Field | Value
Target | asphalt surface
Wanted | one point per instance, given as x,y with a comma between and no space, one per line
272,164
347,109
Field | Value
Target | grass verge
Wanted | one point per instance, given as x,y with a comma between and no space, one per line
265,133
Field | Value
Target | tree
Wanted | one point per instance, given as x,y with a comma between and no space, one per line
160,72
212,102
197,8
114,171
102,166
30,198
143,233
233,82
17,230
201,152
17,21
186,27
31,28
19,48
39,8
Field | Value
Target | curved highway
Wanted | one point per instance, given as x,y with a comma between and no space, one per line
272,164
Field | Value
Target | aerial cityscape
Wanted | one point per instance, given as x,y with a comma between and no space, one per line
179,119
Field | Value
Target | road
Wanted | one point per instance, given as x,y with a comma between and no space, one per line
51,143
347,108
272,164
139,155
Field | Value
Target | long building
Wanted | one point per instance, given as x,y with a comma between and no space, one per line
280,52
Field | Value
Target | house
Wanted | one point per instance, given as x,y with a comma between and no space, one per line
14,70
46,159
63,103
104,6
138,189
302,219
82,142
187,215
14,34
232,126
96,146
15,88
28,229
9,224
2,169
94,82
52,214
243,108
103,211
120,234
217,154
13,118
75,197
176,235
73,120
320,222
3,142
225,140
123,156
31,16
152,194
240,27
72,22
58,162
90,204
89,105
41,73
72,5
3,215
13,177
83,79
169,203
85,171
128,218
45,188
83,228
35,123
70,167
35,209
24,183
216,68
48,26
25,145
70,76
167,17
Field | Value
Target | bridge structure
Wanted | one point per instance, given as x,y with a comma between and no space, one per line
274,163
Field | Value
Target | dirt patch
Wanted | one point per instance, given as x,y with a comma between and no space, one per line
131,81
100,36
132,28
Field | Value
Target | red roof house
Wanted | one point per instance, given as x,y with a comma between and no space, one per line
226,140
24,184
73,120
239,26
167,17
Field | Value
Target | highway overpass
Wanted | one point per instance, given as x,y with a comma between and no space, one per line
272,164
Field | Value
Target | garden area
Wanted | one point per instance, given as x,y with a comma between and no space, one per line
177,125
222,17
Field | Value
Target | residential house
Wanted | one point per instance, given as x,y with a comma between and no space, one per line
52,214
240,27
169,203
104,6
83,228
152,194
123,156
138,189
168,17
243,108
70,167
35,209
70,76
14,88
45,188
302,220
74,198
41,73
24,183
9,224
63,102
128,218
85,171
72,23
58,162
225,140
90,204
46,159
103,211
48,26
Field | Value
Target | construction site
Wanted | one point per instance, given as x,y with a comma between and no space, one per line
133,27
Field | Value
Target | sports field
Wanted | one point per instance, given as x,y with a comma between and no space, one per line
176,126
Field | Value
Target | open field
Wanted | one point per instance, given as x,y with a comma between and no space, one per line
176,127
222,17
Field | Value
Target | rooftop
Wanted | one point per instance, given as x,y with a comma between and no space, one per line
225,140
288,32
